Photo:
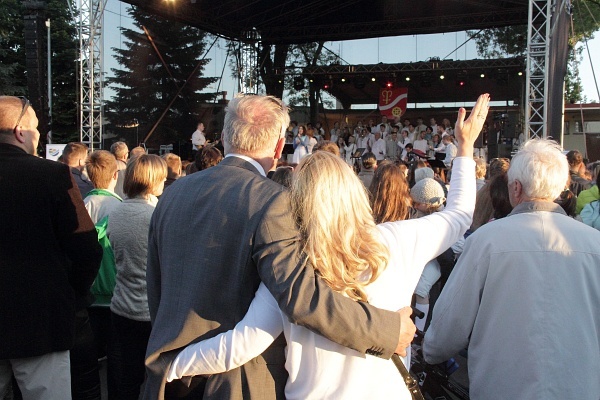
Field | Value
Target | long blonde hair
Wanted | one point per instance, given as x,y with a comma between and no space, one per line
338,233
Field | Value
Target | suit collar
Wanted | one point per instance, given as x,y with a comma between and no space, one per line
243,161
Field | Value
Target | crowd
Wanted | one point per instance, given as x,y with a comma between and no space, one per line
247,277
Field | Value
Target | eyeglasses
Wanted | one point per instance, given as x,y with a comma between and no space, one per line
26,103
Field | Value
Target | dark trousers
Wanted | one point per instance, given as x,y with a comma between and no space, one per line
133,339
85,375
107,345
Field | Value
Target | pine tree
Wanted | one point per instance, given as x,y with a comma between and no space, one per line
144,88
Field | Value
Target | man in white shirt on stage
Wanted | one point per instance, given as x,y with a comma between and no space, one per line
378,148
198,139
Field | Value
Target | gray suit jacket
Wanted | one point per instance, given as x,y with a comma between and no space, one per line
213,237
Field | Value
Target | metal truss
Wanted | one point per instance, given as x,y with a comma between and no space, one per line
91,55
248,76
538,53
424,66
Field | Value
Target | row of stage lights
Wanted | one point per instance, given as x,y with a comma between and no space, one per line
425,80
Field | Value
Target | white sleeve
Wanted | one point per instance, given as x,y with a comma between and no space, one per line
261,325
436,232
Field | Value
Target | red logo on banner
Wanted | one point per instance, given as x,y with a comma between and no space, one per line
393,101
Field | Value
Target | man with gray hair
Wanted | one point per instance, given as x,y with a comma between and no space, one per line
246,234
525,293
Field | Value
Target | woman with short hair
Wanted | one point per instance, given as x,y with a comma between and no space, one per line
128,234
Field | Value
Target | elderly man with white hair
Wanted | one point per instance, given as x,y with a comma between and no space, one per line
525,294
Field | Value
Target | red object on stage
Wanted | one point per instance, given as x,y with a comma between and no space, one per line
393,101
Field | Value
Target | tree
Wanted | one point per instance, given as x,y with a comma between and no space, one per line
144,87
512,41
13,70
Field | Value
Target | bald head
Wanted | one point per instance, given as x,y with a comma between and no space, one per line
18,124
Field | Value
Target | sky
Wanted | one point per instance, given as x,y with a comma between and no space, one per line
364,51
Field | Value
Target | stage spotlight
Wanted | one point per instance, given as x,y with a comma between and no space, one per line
520,73
373,79
343,79
298,83
389,84
327,84
407,79
482,75
460,83
442,76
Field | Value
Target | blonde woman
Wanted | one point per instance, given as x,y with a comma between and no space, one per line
128,234
368,262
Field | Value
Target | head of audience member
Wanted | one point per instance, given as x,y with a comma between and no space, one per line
435,139
330,234
329,146
136,151
368,160
595,171
539,171
75,154
255,127
340,142
499,196
18,124
283,175
432,122
173,165
441,130
428,196
120,151
446,139
568,201
480,168
422,173
102,169
389,194
575,160
408,147
208,157
498,166
145,176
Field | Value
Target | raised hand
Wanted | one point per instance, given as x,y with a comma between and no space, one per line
466,131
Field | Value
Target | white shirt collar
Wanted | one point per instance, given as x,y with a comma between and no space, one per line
251,161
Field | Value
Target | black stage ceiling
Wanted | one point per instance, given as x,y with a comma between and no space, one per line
301,21
463,80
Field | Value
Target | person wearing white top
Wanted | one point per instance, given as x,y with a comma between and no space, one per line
385,275
198,139
300,149
421,143
350,149
378,147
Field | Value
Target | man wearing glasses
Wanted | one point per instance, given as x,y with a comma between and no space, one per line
49,259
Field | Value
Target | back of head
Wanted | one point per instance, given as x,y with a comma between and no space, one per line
136,151
429,193
173,165
574,158
10,109
208,157
422,173
73,153
341,238
480,168
143,174
541,168
389,193
328,146
253,124
101,166
499,196
283,176
120,150
368,160
498,166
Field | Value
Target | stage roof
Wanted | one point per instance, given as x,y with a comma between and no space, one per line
362,83
296,21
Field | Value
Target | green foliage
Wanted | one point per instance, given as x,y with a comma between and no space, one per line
512,41
144,87
13,80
